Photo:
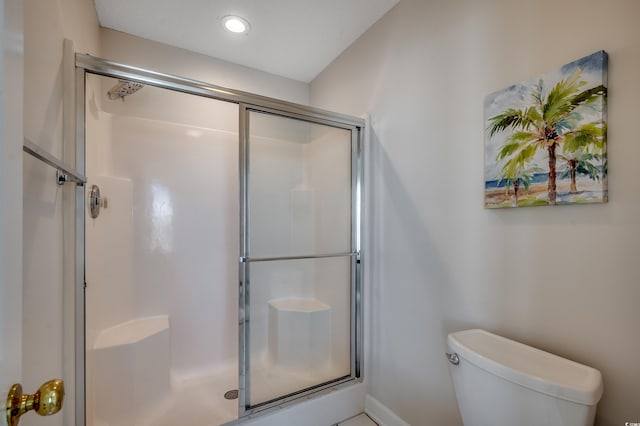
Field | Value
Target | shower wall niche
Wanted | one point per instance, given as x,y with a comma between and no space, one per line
220,260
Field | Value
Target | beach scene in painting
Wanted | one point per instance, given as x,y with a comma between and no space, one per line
546,138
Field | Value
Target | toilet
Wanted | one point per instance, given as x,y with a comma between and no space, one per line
501,382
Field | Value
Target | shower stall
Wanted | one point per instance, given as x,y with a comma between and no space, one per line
222,249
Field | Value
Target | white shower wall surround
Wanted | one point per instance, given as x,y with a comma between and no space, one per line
162,259
169,189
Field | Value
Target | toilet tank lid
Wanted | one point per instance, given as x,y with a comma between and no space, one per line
527,366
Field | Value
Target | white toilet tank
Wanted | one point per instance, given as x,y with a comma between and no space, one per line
500,382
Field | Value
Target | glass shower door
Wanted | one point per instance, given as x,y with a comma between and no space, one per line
299,257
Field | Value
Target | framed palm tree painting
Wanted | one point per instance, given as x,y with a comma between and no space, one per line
546,138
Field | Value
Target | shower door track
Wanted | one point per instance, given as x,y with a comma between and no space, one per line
247,101
99,66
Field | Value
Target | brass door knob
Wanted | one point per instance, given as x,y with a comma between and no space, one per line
46,401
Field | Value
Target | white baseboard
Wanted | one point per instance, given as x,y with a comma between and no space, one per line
381,414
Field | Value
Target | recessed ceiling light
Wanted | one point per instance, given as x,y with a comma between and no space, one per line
236,24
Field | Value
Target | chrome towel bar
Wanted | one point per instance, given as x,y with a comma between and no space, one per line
65,174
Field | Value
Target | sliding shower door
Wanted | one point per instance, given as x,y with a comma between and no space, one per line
300,320
300,257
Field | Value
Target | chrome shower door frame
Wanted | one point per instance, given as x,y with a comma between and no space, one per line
87,64
356,129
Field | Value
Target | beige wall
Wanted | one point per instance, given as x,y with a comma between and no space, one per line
565,279
11,77
46,25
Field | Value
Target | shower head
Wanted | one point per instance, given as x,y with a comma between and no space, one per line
124,88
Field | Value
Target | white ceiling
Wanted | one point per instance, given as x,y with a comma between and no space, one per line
292,38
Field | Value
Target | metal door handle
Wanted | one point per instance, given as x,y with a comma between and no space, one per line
46,401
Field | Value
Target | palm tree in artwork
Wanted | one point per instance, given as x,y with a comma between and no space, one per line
520,176
581,163
514,171
546,123
583,149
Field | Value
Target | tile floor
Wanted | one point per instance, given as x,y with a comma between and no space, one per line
360,420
